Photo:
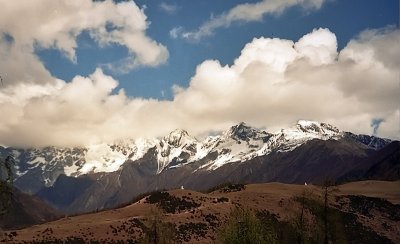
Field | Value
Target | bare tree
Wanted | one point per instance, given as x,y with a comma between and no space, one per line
6,180
243,227
158,231
301,223
327,188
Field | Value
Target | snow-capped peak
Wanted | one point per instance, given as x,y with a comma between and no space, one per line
244,132
317,127
177,148
303,131
241,131
178,138
238,144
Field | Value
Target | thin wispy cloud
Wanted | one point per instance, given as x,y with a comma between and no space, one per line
122,66
168,8
247,12
176,32
375,123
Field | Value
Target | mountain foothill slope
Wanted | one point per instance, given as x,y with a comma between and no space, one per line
198,217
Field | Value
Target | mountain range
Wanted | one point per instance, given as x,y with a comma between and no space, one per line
82,179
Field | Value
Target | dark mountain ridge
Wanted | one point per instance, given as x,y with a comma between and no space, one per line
26,210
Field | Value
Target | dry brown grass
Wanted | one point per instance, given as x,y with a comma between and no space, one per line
276,198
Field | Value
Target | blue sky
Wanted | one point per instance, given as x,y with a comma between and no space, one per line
344,18
78,72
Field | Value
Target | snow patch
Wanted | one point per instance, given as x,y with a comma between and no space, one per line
37,161
101,158
71,170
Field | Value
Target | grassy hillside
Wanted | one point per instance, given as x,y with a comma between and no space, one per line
359,212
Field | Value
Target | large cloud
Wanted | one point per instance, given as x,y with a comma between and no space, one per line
272,84
27,25
246,12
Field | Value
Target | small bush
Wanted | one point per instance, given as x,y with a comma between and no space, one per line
222,199
227,187
188,230
170,203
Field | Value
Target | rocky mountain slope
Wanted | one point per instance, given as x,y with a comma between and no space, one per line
106,175
26,210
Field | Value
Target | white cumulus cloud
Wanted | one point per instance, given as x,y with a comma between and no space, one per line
57,24
273,83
